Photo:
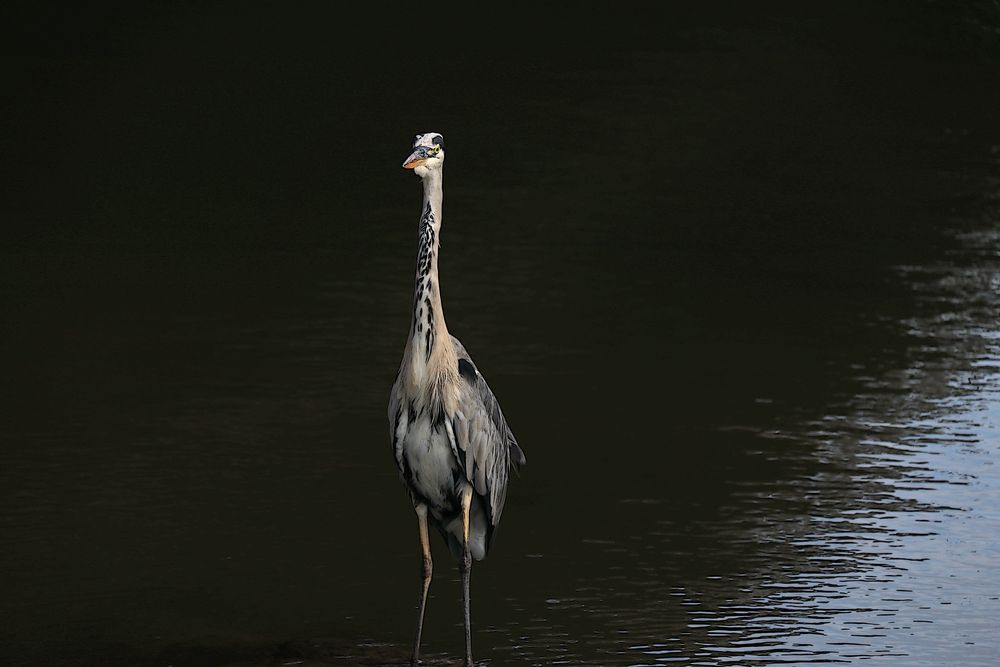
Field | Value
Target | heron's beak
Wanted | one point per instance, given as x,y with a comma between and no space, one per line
417,158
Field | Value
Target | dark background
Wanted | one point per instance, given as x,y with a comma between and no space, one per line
670,233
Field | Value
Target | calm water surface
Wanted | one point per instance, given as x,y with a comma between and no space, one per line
738,295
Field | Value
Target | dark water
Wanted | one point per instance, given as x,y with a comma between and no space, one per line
736,282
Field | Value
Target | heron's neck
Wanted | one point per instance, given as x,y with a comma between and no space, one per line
428,330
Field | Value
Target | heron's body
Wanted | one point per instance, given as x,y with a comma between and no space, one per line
450,440
429,462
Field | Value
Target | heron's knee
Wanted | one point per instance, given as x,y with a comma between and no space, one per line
426,567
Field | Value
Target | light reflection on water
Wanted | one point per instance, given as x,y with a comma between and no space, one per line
897,556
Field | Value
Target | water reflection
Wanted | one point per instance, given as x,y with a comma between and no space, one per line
883,547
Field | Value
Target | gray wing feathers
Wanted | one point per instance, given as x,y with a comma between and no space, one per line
482,434
485,455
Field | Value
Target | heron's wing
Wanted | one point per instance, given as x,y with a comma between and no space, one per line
487,446
395,418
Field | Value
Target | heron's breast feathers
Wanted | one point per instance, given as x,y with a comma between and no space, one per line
432,382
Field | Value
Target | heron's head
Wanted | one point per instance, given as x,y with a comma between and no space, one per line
427,155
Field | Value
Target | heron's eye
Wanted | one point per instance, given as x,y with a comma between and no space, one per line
434,150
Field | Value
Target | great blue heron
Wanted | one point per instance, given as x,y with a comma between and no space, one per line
452,444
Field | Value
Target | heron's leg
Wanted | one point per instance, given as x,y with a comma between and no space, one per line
466,567
426,569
